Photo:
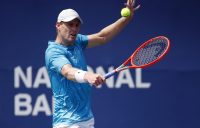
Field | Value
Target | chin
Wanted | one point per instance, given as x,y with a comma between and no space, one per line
71,39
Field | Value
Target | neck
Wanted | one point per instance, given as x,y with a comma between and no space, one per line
61,41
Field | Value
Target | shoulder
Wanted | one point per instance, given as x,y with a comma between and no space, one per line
54,48
82,40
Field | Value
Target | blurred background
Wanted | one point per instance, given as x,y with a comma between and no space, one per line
166,95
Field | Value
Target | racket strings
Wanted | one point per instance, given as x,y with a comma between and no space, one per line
150,52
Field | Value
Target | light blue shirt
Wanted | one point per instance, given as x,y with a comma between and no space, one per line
71,99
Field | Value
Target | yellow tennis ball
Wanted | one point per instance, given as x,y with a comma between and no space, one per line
125,12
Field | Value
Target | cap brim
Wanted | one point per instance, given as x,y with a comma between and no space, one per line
70,19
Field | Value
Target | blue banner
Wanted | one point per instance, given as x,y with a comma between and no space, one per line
165,95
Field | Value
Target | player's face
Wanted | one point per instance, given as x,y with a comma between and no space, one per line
68,31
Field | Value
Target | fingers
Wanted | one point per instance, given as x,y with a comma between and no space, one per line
133,3
94,79
130,4
99,80
137,7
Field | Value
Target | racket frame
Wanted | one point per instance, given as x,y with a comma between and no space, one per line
142,46
124,65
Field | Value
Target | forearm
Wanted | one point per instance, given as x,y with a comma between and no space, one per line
112,30
107,33
69,72
81,76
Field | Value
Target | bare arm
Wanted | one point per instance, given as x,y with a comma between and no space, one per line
107,33
69,72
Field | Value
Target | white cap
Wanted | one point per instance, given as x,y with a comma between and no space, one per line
68,15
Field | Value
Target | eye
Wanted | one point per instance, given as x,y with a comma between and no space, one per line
77,25
70,24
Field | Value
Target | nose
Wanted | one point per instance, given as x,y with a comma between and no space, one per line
74,28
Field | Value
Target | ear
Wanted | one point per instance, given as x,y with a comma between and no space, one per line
57,25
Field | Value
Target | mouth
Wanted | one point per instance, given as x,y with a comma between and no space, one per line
73,35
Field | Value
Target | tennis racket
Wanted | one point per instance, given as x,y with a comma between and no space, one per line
146,55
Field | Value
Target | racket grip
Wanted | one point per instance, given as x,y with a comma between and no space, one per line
106,76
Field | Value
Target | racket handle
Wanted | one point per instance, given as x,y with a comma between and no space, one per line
106,76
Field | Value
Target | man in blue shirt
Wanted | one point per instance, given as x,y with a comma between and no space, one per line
65,62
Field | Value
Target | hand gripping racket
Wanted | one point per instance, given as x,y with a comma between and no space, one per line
147,54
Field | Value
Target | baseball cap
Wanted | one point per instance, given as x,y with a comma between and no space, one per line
67,15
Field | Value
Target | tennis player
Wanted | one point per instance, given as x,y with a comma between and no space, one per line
67,68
